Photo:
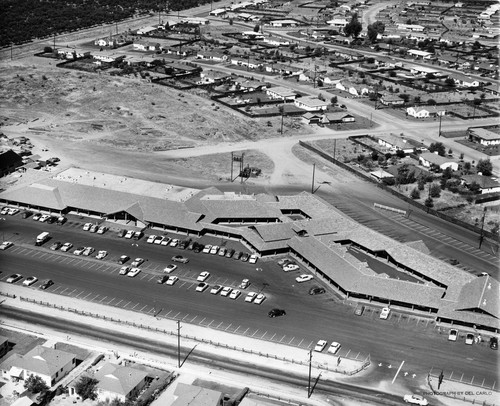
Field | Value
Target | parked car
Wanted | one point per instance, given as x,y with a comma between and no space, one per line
30,280
123,259
453,335
201,286
14,278
334,347
259,298
137,235
229,253
216,289
158,240
102,230
290,267
56,246
214,249
180,258
384,314
415,400
226,290
276,313
133,272
174,242
245,283
203,276
206,249
66,246
184,244
170,268
172,279
198,247
88,251
36,216
235,294
304,278
5,245
121,233
253,259
250,297
87,226
124,270
162,279
494,343
61,220
137,262
237,255
101,254
94,228
129,234
13,211
316,290
79,251
359,310
25,214
151,239
222,252
244,257
5,210
469,339
320,345
166,241
44,218
47,284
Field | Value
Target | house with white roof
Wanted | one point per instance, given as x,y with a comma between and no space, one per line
356,89
483,136
192,395
395,143
281,93
430,159
311,103
49,364
338,22
462,80
425,111
486,184
284,23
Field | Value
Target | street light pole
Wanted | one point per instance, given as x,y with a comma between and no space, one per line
178,343
310,368
312,184
440,118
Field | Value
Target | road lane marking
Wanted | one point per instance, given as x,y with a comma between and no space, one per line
397,372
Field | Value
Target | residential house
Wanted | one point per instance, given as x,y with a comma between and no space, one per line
146,46
253,35
337,118
425,111
466,81
330,79
195,20
483,136
423,70
251,63
283,69
9,162
212,76
348,54
395,143
284,23
219,12
312,118
431,159
447,60
411,27
311,103
353,88
146,30
107,57
72,53
105,42
49,364
281,93
420,54
250,85
380,175
338,22
191,395
212,56
390,99
486,184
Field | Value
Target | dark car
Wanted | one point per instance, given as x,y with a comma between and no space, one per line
163,279
244,257
121,233
316,290
61,220
191,245
198,247
184,243
276,313
25,214
359,310
56,246
47,284
51,219
229,253
123,259
237,255
494,343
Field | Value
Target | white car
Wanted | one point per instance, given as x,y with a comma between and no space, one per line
35,217
137,262
6,244
469,339
174,242
206,249
133,272
226,291
170,268
124,270
13,211
235,294
172,279
250,297
416,400
245,283
88,251
320,345
304,278
130,234
165,241
334,347
384,314
180,258
158,240
66,246
79,251
201,286
86,226
94,228
253,259
44,218
214,249
290,267
216,289
203,276
14,278
101,254
260,298
5,210
222,252
453,335
30,281
151,239
102,230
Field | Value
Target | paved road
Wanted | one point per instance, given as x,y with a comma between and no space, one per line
309,318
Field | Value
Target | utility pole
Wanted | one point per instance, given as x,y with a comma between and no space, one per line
11,46
178,343
310,368
376,97
54,42
312,184
481,236
440,118
334,147
282,114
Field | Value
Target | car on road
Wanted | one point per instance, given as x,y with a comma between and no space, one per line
259,298
276,313
334,347
123,259
174,242
469,339
253,259
14,278
166,240
36,216
133,272
206,249
320,345
453,335
101,254
170,268
162,279
5,245
137,262
172,279
121,233
203,276
359,310
129,234
56,246
415,400
214,249
384,314
151,239
44,218
46,284
250,297
226,290
304,278
30,280
244,257
316,290
94,228
245,283
87,226
79,251
102,230
494,343
229,253
216,289
180,258
124,270
235,294
290,267
88,251
66,247
201,286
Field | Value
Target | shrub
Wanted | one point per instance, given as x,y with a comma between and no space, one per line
415,194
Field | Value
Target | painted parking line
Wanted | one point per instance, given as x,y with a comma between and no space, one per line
62,293
282,338
264,334
69,294
56,289
293,338
82,292
299,343
176,315
96,296
185,317
168,313
227,328
135,306
143,308
87,295
126,304
218,325
254,333
100,301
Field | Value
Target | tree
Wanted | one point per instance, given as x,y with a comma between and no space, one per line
354,27
474,187
435,190
35,384
374,29
405,175
374,156
400,153
438,147
256,28
415,194
431,102
334,100
47,50
405,97
429,202
467,167
485,167
421,182
86,387
449,82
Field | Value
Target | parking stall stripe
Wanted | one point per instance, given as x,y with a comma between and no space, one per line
208,325
264,334
135,306
218,325
100,301
200,321
256,331
87,295
56,289
300,343
168,313
228,326
293,338
271,339
71,292
143,308
125,305
176,315
282,338
96,296
64,291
